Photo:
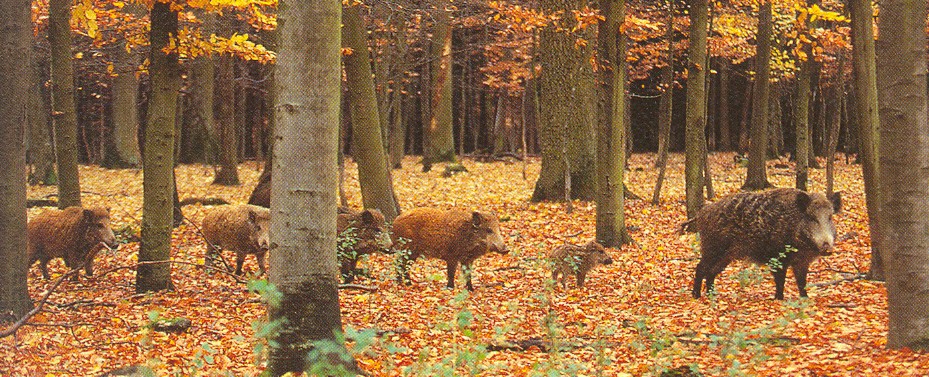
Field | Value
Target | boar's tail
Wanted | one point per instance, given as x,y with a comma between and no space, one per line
687,226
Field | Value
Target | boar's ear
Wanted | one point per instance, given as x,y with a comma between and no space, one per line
87,216
476,219
252,216
836,199
803,201
367,217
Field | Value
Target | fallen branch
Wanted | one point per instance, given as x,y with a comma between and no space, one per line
358,287
38,308
839,281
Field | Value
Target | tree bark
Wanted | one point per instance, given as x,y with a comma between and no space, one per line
665,106
303,192
904,170
756,176
866,116
41,152
611,136
125,151
63,109
725,133
158,159
228,173
801,111
566,88
438,138
15,55
696,106
373,167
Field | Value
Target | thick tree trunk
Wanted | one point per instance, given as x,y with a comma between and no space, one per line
866,116
696,106
125,151
303,192
438,135
904,170
611,135
756,176
565,87
228,173
41,152
665,106
15,55
373,167
158,159
63,109
801,115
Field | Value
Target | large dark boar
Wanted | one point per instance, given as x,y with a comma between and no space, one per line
759,227
360,233
73,234
577,260
241,228
455,236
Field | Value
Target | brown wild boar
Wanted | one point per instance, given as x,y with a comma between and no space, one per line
577,260
241,228
455,236
759,227
360,233
74,234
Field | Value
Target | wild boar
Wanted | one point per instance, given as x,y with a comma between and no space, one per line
457,236
74,234
577,260
759,227
360,233
241,228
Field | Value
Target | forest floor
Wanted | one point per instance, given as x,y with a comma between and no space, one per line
635,317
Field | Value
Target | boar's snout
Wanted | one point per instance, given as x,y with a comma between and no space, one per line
608,260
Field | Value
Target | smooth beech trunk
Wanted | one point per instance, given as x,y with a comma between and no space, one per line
64,113
696,107
756,177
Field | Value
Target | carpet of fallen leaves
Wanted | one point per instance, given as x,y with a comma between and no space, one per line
634,317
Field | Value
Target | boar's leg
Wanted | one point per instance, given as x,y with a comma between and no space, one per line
239,260
800,272
780,274
580,279
707,269
43,265
347,268
450,268
262,261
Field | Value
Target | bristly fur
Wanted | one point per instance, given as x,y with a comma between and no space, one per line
368,234
73,234
577,260
758,227
241,228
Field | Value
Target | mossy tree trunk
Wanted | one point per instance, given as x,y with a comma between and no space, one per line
904,170
63,109
438,135
866,117
373,169
158,158
303,191
566,116
15,55
756,176
611,136
696,107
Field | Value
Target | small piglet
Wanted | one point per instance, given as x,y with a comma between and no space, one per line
74,234
759,227
457,236
360,233
577,260
241,228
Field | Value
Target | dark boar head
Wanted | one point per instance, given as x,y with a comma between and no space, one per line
597,254
259,225
370,230
486,231
817,227
96,225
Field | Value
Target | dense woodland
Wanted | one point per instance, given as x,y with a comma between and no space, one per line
567,121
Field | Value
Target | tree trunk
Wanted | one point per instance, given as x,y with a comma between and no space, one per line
904,170
611,136
696,106
15,55
63,110
744,123
565,87
398,130
756,176
725,137
303,192
866,116
499,130
373,167
227,140
665,106
801,115
158,159
125,151
438,138
41,152
835,122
